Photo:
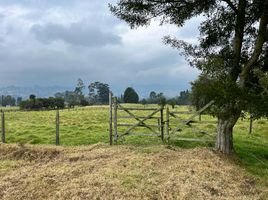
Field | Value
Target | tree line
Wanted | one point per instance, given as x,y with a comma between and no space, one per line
8,100
34,103
98,94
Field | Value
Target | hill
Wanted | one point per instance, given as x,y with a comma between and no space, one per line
24,92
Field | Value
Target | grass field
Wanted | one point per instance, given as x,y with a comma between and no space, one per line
84,126
121,172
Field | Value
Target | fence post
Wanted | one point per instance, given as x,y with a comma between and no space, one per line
115,119
159,124
167,124
57,127
3,128
200,117
251,124
111,118
162,123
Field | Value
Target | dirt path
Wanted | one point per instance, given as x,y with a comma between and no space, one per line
120,172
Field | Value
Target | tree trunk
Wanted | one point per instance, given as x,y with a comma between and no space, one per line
224,142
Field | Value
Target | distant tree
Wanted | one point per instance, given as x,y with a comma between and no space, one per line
162,101
19,99
99,93
184,98
1,100
32,97
74,98
172,102
80,86
60,95
8,101
153,95
80,98
70,98
120,99
143,101
58,103
131,96
42,104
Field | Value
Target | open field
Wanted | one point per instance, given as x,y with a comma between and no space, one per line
85,126
122,172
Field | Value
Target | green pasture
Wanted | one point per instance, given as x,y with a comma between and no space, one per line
89,125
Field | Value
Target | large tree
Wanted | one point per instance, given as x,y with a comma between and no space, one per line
231,52
131,96
99,93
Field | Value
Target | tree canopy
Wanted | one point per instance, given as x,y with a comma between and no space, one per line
131,96
232,52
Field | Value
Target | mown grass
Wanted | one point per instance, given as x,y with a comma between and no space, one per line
84,126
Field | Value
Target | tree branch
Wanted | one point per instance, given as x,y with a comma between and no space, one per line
238,39
231,6
261,38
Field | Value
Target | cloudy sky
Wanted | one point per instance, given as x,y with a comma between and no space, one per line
48,42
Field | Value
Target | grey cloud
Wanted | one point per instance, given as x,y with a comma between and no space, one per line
91,48
76,34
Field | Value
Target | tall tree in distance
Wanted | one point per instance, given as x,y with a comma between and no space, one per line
79,87
131,96
99,93
233,46
80,98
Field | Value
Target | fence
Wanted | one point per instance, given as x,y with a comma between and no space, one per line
162,122
162,127
155,129
3,127
180,123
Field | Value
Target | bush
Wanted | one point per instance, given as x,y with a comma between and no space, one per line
42,104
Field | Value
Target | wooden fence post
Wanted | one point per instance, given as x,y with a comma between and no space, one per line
159,124
115,119
57,127
111,118
162,123
167,125
3,128
251,124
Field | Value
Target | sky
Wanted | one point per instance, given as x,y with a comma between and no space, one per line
48,42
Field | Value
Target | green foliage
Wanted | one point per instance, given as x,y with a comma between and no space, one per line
162,101
153,95
19,100
141,12
7,100
42,104
99,93
232,45
76,97
154,98
183,98
131,96
69,97
32,97
79,96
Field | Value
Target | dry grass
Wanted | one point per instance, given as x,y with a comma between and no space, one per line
121,172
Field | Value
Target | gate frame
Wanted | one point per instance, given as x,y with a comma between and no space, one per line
114,106
185,122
